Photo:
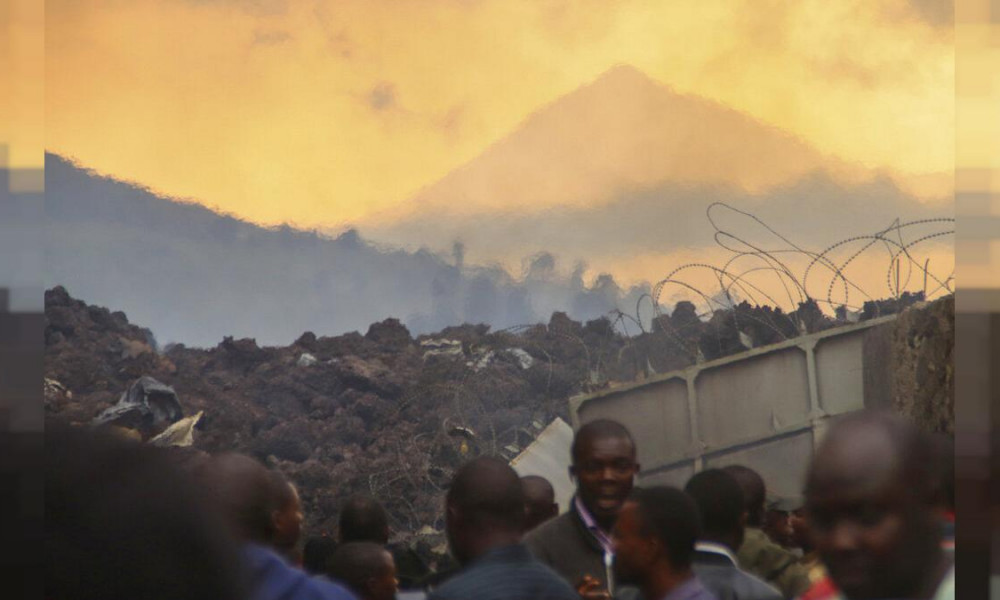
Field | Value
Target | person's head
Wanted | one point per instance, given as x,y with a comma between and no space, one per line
287,516
122,521
754,492
720,503
870,497
604,467
363,520
244,490
539,501
800,530
316,554
777,522
484,508
654,536
366,568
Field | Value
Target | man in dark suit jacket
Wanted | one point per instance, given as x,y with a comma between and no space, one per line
720,503
577,544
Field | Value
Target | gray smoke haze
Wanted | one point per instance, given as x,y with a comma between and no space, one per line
194,276
816,211
22,217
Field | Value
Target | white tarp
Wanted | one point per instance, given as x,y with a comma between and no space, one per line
548,456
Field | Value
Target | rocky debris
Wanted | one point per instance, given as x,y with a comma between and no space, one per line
306,360
389,335
381,414
55,395
338,415
483,360
442,347
524,359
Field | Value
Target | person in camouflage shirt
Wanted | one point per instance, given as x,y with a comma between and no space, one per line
759,554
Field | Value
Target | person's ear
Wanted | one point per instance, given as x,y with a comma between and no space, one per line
572,473
744,517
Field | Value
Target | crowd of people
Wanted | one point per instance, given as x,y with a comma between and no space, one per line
875,520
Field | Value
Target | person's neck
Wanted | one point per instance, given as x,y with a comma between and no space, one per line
663,580
605,523
488,541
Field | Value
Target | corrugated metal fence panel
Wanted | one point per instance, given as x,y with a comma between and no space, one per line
675,476
755,409
840,373
656,414
781,460
752,398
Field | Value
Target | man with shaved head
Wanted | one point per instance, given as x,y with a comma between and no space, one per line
539,501
654,542
484,515
758,554
245,492
871,497
578,544
367,568
363,520
719,499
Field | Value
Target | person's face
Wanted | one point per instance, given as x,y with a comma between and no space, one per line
634,553
800,531
872,536
288,521
604,470
385,586
778,527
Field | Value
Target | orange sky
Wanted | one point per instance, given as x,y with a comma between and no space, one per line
22,94
325,113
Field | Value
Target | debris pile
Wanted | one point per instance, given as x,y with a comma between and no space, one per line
382,413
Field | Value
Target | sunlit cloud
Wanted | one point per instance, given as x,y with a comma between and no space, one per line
323,113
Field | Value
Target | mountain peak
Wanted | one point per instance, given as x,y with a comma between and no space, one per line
621,131
624,74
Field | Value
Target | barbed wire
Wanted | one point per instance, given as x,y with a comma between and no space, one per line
775,288
772,283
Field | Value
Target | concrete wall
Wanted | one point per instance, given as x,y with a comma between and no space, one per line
767,408
21,356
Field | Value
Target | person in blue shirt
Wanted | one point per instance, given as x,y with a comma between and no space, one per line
244,491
